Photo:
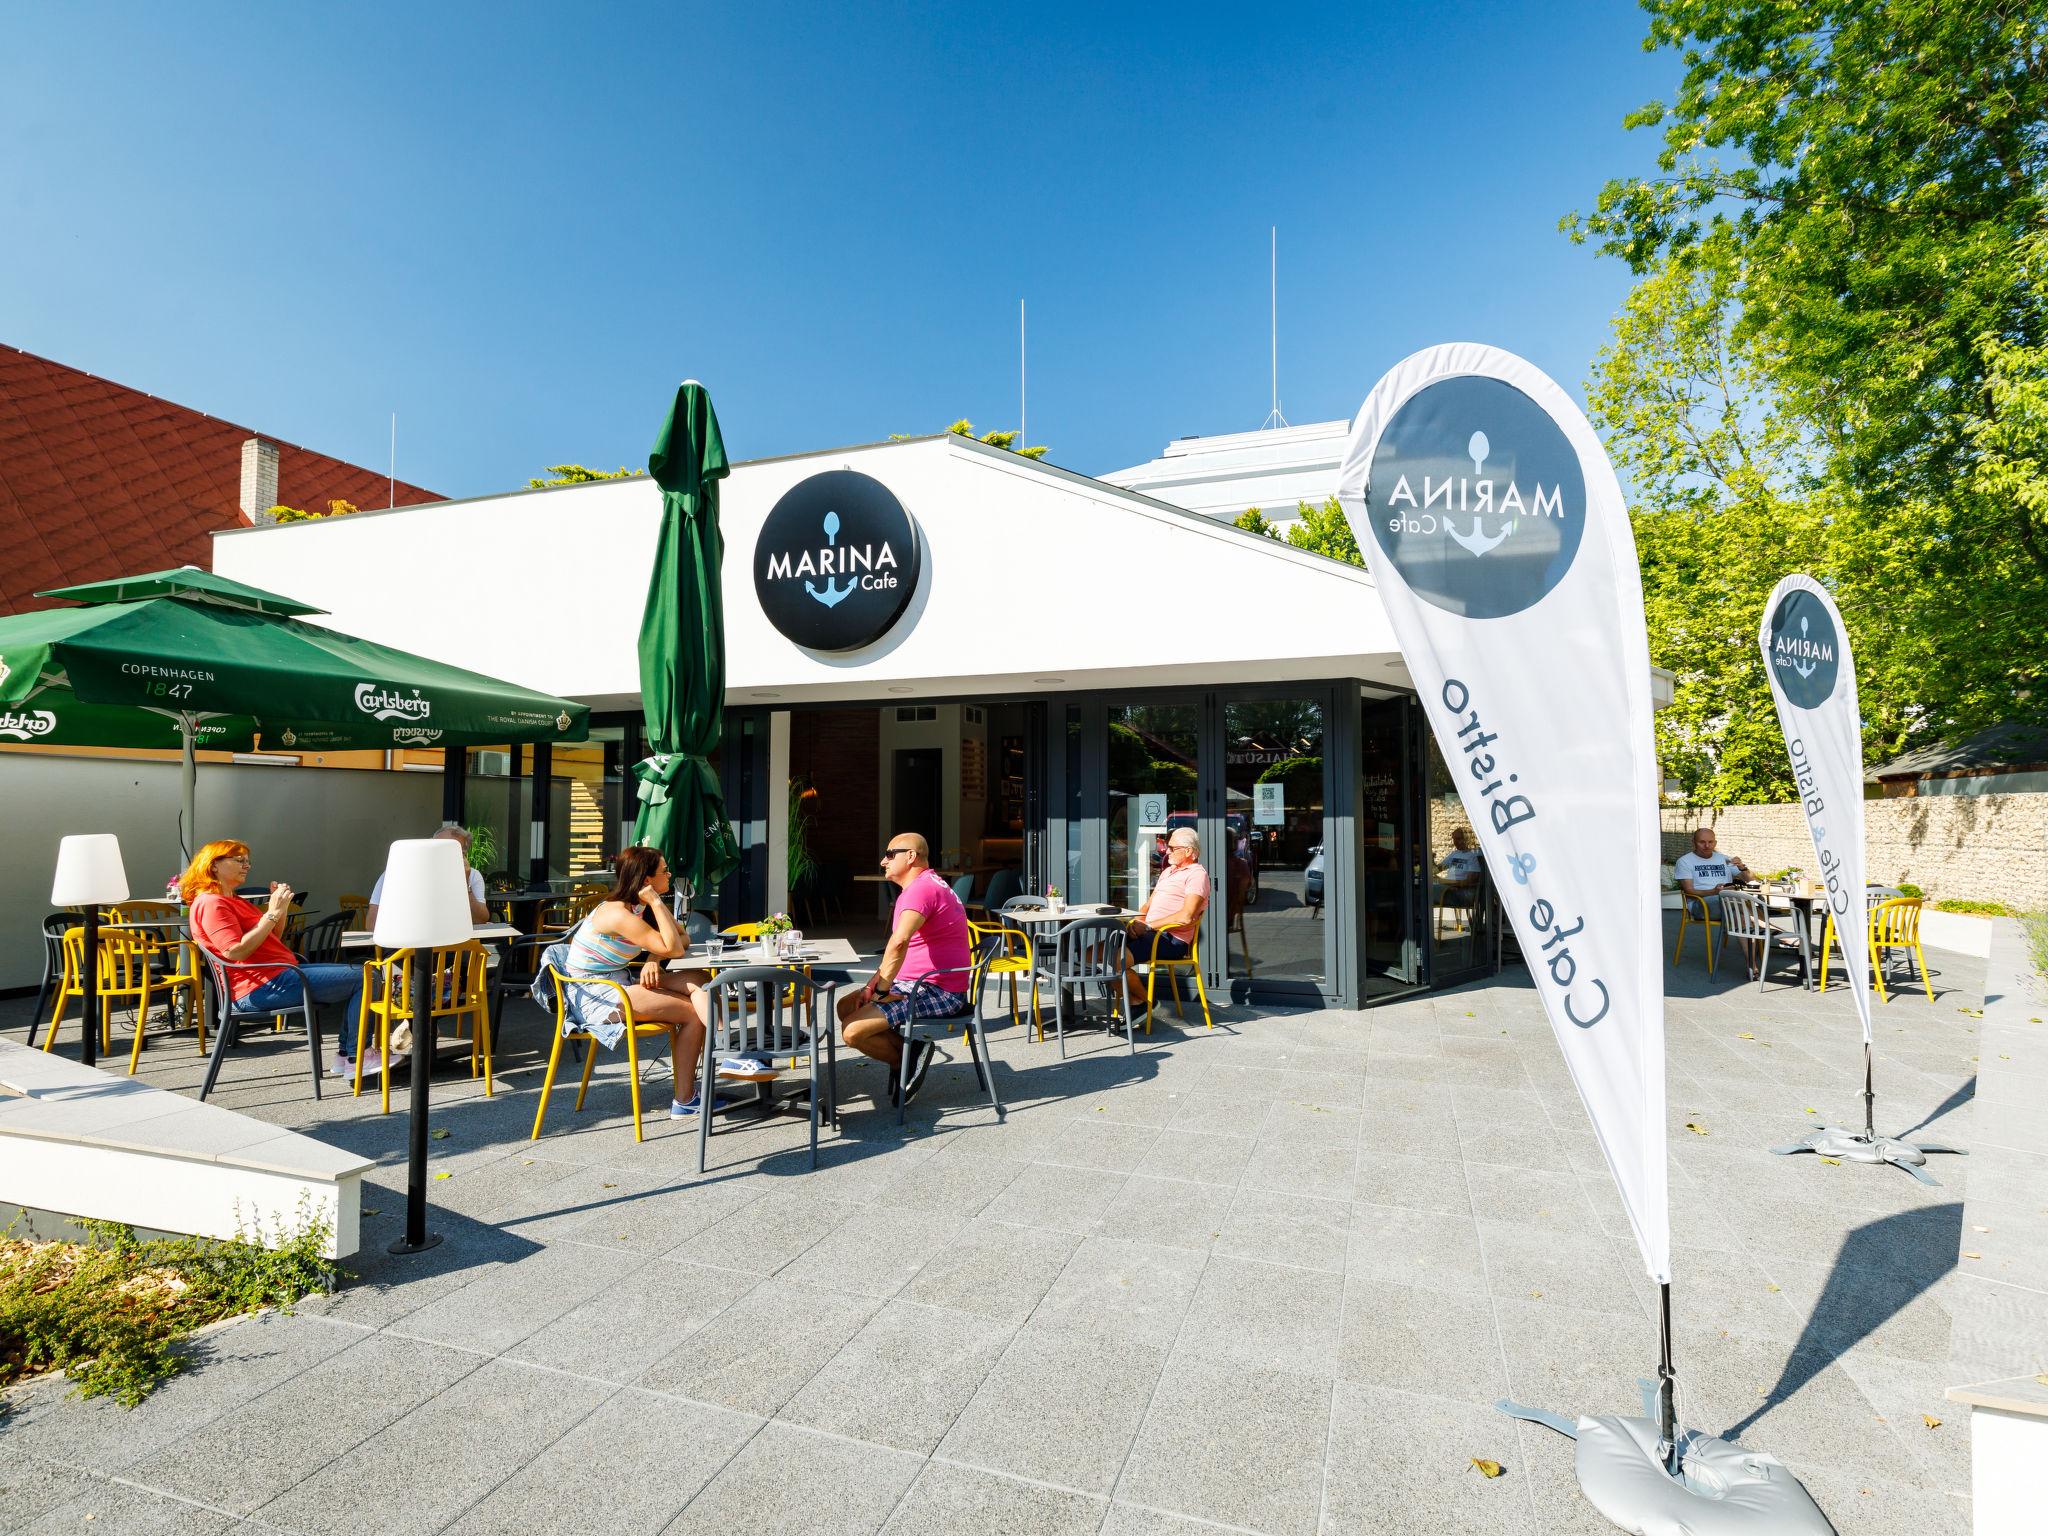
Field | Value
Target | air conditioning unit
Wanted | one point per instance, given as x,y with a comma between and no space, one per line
491,765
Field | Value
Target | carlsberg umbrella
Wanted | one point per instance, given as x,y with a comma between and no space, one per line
188,659
682,652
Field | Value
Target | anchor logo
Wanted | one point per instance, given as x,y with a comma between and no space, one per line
834,594
1804,668
1476,541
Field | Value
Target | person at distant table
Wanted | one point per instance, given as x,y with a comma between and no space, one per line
1703,872
242,933
479,909
927,943
1173,911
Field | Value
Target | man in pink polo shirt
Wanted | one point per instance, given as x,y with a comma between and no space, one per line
1173,912
929,939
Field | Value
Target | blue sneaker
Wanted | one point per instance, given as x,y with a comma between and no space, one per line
678,1110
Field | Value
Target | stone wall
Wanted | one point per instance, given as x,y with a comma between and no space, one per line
1969,847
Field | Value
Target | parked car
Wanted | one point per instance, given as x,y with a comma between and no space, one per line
1243,846
1312,877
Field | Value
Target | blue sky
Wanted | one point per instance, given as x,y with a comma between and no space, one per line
518,226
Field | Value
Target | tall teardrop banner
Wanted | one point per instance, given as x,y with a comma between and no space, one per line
1497,536
1812,672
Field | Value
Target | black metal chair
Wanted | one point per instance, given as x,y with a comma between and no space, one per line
320,943
780,1015
1091,953
229,1015
991,947
55,926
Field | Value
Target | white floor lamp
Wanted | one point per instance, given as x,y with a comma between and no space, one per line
89,875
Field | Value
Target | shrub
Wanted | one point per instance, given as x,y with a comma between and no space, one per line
1975,908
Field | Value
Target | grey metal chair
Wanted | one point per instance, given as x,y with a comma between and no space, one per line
977,1048
1023,904
778,1013
320,943
229,1015
1746,920
1091,953
1002,886
55,926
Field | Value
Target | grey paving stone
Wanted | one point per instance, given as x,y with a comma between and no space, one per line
786,1479
661,1219
511,1301
1414,1340
1236,1446
1301,1230
755,1357
1198,1156
960,1187
418,1474
1058,1408
1296,1123
1406,1182
1135,1520
1176,1213
1064,1199
1439,1252
1114,1288
1571,1361
1099,1142
630,1467
244,1459
993,1270
875,1251
1268,1315
767,1233
1217,1114
1325,1170
1528,1263
1399,1461
228,1368
105,1506
622,1330
1531,1198
29,1485
903,1379
947,1499
1845,1308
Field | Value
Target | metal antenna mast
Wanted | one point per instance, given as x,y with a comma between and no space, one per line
1274,418
1023,415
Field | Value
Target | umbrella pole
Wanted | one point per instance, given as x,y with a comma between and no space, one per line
189,786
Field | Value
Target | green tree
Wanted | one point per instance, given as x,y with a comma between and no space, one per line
1319,527
1252,520
1005,440
577,474
1846,229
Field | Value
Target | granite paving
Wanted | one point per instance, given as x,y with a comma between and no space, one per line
1266,1277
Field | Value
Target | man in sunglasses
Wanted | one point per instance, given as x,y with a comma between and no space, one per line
929,939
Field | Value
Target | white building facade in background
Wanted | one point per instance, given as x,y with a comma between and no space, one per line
1274,470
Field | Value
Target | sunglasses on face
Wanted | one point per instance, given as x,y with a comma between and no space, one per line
890,853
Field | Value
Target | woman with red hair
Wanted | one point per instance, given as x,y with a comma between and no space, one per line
240,932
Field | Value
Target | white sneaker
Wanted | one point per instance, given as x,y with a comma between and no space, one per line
341,1066
373,1064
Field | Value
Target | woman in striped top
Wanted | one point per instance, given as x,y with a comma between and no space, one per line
634,921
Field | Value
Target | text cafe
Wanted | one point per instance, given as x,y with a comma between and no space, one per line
1043,674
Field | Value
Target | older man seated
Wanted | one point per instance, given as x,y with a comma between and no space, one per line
1173,911
1703,872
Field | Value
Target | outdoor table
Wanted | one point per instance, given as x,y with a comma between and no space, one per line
828,952
1040,920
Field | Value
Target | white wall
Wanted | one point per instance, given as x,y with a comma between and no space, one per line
323,829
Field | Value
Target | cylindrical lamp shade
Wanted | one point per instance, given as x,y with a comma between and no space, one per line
89,871
425,904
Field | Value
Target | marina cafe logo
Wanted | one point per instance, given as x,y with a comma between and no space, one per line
1806,653
1477,497
381,703
836,562
27,724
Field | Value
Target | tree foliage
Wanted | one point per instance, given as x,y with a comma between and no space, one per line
1319,527
1004,440
1837,360
578,474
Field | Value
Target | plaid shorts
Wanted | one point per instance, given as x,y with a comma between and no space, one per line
923,1003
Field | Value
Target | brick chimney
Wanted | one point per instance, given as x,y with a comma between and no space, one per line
259,479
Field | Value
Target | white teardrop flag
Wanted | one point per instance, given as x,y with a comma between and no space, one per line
1813,682
1497,535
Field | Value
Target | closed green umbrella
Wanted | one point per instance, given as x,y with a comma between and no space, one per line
682,652
189,659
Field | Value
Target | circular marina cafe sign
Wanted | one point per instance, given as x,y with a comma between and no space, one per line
836,562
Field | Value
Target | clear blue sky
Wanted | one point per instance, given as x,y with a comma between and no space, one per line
518,226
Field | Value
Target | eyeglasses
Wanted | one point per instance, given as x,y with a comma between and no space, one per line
890,853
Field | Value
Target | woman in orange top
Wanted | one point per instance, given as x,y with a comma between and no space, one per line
244,934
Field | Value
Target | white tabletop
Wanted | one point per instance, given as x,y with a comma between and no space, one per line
1069,915
819,951
490,933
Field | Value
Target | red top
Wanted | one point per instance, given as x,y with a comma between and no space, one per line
222,922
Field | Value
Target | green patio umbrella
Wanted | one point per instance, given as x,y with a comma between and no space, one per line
682,652
188,659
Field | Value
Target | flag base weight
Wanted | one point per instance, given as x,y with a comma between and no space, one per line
1858,1147
1720,1488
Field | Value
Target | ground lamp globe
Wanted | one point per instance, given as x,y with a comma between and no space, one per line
89,875
425,907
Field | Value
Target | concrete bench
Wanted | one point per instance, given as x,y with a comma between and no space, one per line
78,1142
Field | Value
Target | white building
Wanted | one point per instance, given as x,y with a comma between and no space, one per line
1219,477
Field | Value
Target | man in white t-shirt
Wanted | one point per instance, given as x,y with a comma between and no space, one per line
1703,872
479,910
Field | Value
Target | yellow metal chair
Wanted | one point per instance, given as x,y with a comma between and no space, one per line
127,972
1192,963
1894,924
566,1030
358,908
460,991
999,942
747,931
176,961
1706,920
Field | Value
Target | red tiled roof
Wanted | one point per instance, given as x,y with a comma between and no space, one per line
100,480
